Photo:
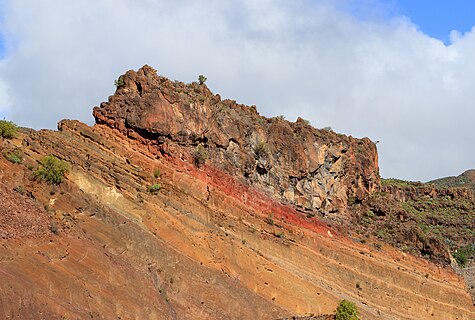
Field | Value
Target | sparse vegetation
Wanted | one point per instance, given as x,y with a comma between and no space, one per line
200,155
19,189
202,79
327,129
8,129
54,228
463,254
260,150
462,180
427,221
14,156
154,188
400,183
119,82
52,169
157,173
347,311
270,219
280,117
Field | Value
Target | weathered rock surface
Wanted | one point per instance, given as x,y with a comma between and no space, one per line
315,170
218,241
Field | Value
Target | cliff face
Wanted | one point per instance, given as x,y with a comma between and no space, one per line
219,240
315,170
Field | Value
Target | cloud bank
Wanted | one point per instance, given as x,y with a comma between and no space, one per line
381,78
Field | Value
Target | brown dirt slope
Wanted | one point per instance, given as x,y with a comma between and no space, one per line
20,217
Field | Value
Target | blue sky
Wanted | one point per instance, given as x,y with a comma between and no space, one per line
364,67
2,49
2,12
437,18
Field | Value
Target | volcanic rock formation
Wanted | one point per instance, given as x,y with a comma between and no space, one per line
293,162
222,236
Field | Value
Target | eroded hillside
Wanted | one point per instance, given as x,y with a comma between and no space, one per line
232,229
466,179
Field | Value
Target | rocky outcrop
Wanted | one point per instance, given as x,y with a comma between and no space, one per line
315,170
420,218
217,241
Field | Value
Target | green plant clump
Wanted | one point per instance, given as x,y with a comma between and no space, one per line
8,129
463,254
154,188
52,169
202,79
200,155
119,82
347,311
14,156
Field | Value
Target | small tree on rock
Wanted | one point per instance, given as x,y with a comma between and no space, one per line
202,79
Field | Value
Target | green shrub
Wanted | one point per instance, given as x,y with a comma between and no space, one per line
14,156
200,155
154,188
119,82
202,79
347,311
52,169
8,129
463,254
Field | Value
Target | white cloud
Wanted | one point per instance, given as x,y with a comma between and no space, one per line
381,78
4,97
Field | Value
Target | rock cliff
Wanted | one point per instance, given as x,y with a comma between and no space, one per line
223,235
315,170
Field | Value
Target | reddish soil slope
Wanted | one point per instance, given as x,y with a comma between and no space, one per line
209,245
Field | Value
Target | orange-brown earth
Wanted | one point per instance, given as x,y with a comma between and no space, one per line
230,235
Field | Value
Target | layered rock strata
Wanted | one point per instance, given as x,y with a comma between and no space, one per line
315,170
